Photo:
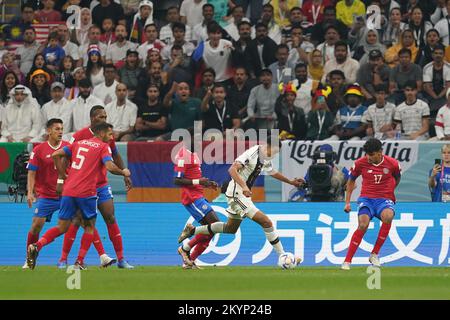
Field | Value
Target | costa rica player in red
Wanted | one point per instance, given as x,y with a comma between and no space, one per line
42,176
88,157
188,175
380,176
105,202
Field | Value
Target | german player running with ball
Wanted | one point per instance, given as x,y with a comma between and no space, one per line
380,176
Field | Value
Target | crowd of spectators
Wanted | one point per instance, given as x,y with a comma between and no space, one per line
314,69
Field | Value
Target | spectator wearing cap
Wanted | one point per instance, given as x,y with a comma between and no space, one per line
413,115
379,116
260,52
22,120
291,120
404,72
152,42
130,72
368,43
141,19
59,107
348,122
108,9
373,73
179,39
40,86
122,114
343,62
261,103
118,50
93,41
436,80
81,105
282,69
94,69
166,33
199,32
106,91
442,124
320,119
305,87
346,10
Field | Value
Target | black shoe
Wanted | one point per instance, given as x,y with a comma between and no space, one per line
32,255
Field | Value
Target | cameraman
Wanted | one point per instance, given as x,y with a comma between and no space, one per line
439,180
322,186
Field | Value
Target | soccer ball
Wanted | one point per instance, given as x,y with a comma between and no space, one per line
287,261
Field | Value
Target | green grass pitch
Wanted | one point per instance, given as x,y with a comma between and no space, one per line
225,283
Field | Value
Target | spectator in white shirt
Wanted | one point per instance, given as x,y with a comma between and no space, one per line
21,120
94,39
442,124
59,107
179,35
217,53
106,91
267,17
327,48
443,26
199,33
232,28
70,48
152,42
191,12
82,105
342,62
122,114
26,52
117,52
165,34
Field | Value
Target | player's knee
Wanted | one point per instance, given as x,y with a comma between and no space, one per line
110,219
35,228
362,226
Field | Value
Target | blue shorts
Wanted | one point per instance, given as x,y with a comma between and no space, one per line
199,209
46,207
375,206
104,194
70,205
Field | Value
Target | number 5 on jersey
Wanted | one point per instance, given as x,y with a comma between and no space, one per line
81,157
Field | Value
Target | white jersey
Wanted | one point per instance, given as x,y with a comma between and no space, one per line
253,165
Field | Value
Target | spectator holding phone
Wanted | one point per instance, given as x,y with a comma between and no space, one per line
439,180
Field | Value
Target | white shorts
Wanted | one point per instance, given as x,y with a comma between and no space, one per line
240,207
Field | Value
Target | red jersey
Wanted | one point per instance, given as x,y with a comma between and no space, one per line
188,166
41,161
314,13
86,133
88,158
378,181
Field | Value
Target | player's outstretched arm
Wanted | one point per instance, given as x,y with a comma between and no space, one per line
111,167
297,182
189,182
348,194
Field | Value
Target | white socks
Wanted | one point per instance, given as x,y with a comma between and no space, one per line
272,237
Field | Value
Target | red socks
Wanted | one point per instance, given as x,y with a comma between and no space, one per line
98,243
69,239
116,239
193,242
382,235
201,246
354,244
32,238
86,242
48,237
